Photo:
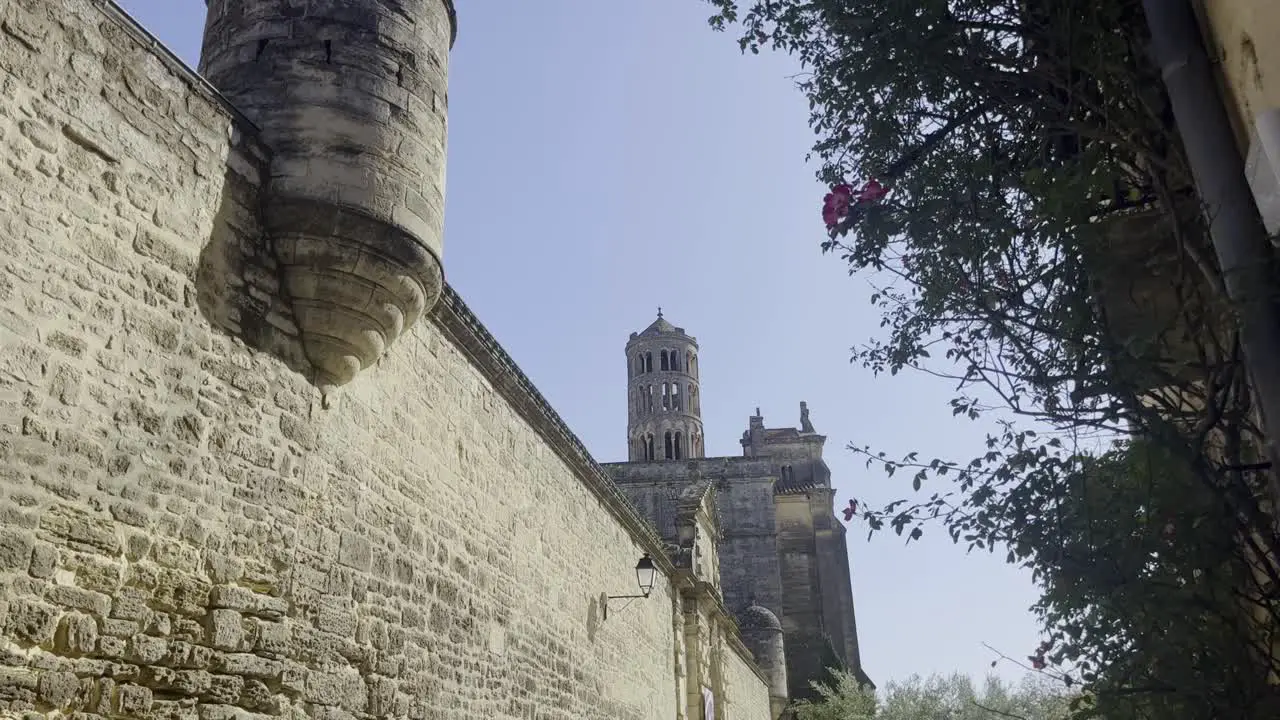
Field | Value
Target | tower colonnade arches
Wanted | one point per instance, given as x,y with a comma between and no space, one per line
664,418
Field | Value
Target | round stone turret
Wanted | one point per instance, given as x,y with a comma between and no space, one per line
762,634
664,416
351,98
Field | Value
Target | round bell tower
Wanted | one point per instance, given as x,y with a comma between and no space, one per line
664,416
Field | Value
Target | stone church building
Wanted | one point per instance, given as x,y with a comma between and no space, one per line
782,561
258,459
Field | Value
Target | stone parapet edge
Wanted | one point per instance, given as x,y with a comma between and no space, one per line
461,325
176,64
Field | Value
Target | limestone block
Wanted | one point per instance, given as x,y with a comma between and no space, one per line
31,621
58,689
15,551
147,650
226,631
132,700
78,634
225,689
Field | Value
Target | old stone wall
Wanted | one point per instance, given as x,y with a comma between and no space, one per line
801,593
186,529
745,695
749,551
744,500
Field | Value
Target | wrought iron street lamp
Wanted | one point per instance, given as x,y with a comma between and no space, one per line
645,573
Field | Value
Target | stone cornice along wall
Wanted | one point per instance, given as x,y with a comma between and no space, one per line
174,63
457,321
712,468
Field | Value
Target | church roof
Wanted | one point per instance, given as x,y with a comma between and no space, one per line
661,330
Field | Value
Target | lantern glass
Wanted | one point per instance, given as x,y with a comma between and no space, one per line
644,574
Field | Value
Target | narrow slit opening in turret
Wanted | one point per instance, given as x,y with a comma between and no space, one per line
262,47
328,52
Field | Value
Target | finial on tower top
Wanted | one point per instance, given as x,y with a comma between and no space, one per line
659,311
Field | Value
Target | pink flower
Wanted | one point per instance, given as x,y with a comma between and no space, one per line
836,204
872,191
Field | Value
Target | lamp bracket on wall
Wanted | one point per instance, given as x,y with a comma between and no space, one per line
644,577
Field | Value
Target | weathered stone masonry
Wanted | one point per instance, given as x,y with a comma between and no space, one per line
784,560
188,529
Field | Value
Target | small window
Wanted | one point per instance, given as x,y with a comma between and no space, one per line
648,362
663,357
675,360
688,362
666,396
670,446
648,455
679,446
675,396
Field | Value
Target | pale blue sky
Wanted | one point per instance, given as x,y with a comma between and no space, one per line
607,157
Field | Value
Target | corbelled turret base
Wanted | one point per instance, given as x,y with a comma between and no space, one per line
355,283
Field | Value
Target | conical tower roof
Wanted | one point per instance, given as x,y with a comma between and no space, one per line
659,326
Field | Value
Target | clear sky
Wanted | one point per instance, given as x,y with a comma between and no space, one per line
608,157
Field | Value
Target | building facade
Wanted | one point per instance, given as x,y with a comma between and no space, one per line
256,458
1240,38
783,556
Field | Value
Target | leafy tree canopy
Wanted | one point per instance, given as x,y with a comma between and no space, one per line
1040,244
951,697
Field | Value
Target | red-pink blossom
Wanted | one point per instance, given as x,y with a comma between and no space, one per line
872,191
836,204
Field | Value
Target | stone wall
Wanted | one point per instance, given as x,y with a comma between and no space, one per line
744,498
746,696
189,530
802,607
749,552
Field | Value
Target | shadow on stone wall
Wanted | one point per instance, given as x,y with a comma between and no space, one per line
237,280
594,616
